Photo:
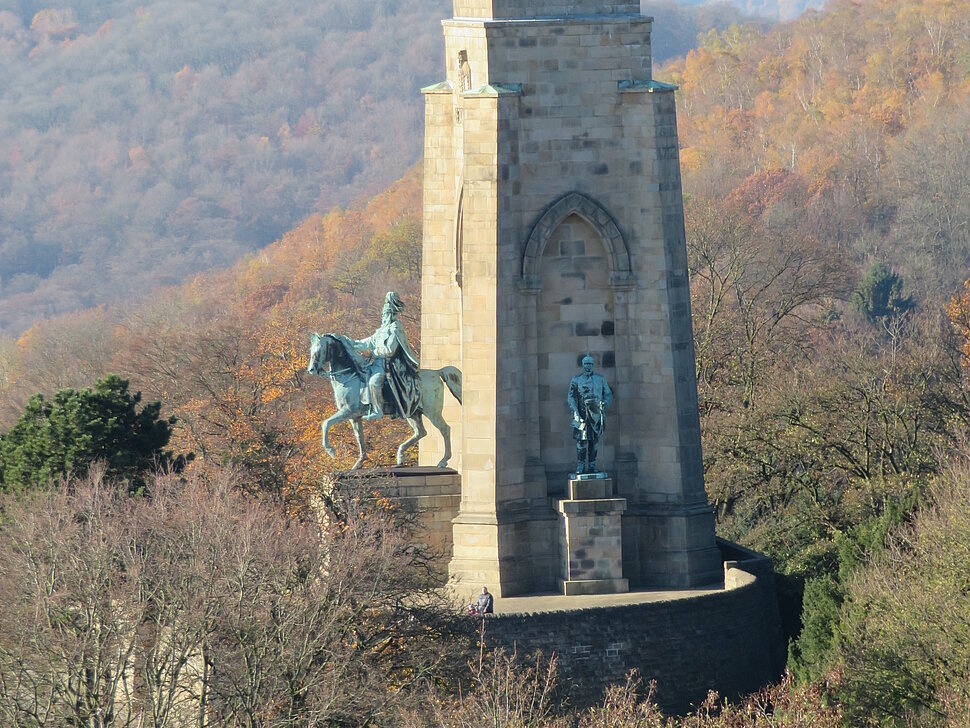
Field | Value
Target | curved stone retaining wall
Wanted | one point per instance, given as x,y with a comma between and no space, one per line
727,641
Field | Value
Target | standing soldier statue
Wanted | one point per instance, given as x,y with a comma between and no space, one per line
394,363
589,396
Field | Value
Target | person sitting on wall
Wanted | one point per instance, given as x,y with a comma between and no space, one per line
485,604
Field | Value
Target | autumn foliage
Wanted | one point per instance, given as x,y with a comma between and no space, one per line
825,169
144,140
865,105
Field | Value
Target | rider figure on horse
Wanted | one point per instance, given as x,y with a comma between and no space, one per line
393,360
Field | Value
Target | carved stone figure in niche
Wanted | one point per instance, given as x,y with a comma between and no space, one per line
463,82
589,396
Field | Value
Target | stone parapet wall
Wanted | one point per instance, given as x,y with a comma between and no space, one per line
739,561
728,641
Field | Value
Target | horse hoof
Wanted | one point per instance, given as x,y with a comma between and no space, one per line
331,452
358,465
443,463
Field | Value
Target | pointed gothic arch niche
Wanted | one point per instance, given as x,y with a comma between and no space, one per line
574,264
576,203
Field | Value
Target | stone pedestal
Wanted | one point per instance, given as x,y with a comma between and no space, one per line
431,495
590,538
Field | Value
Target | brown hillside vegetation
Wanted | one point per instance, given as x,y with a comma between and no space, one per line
827,176
144,142
867,105
813,154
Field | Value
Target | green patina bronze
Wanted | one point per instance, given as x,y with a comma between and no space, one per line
388,381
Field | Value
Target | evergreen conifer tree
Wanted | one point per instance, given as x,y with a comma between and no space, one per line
76,428
880,294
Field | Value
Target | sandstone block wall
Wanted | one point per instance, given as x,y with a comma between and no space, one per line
430,496
574,316
440,293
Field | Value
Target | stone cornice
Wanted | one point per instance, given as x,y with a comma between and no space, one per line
495,89
443,87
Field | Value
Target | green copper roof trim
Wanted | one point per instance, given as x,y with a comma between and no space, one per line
496,89
648,86
438,88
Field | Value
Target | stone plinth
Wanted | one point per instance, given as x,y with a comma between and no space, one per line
590,488
591,540
431,494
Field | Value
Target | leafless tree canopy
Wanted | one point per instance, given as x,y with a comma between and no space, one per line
199,605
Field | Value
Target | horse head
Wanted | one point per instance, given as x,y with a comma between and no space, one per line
337,352
318,353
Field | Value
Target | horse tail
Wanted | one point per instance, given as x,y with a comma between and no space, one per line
451,376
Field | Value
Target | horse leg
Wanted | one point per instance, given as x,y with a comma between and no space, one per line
439,422
433,401
340,415
417,427
361,446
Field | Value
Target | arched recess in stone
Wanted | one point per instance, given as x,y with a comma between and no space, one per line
576,268
576,203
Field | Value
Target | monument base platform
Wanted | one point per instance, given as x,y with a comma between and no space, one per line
577,587
510,553
725,638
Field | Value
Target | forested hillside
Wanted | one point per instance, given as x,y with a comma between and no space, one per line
226,352
773,9
867,104
827,192
145,141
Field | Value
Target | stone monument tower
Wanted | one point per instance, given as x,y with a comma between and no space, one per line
553,227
